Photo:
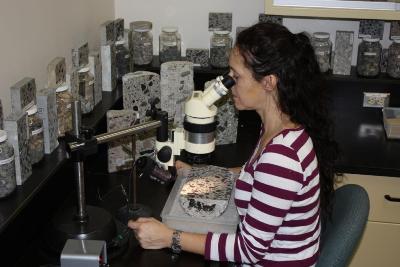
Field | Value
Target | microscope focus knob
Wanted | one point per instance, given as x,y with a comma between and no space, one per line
164,154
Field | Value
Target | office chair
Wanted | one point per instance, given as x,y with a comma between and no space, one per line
341,234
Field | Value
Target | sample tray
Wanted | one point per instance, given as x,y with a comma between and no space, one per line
175,217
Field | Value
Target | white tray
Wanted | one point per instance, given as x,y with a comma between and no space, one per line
175,217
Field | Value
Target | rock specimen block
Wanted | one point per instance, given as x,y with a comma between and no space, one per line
23,94
16,125
80,56
107,34
270,18
207,191
343,52
394,30
219,21
56,72
47,111
176,86
119,29
95,70
371,28
200,57
108,67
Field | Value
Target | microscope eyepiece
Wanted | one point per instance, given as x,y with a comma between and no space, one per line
228,81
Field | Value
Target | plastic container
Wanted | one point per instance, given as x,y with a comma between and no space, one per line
322,49
393,67
220,48
369,57
170,44
36,137
64,100
142,40
391,122
175,217
7,166
86,90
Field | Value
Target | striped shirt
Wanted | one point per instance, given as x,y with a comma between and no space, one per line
277,198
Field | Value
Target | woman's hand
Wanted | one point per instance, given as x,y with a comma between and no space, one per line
182,168
151,233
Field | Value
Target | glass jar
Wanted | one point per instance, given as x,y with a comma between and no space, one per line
122,59
64,100
86,90
7,166
170,44
393,68
369,57
36,137
322,49
142,40
220,48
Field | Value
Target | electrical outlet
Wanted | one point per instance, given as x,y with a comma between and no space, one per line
376,100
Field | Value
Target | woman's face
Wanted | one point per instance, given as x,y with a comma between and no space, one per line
248,94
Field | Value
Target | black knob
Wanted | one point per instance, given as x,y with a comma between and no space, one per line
164,154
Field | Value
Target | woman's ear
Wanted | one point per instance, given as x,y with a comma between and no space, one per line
270,82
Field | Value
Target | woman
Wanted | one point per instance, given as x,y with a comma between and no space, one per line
285,187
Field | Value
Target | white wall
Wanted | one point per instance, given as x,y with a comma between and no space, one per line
34,32
192,19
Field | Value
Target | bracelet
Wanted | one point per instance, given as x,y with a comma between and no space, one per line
176,242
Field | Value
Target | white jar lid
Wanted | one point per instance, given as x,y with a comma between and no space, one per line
169,29
32,110
370,39
142,26
62,88
222,32
3,135
321,35
84,69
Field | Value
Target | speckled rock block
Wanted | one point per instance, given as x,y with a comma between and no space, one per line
56,72
107,33
47,111
200,57
384,59
371,28
129,46
227,117
1,116
95,70
176,86
120,151
343,52
220,21
16,125
394,29
139,90
108,67
270,18
80,56
119,29
23,94
73,81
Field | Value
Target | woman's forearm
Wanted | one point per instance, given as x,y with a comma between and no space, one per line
194,243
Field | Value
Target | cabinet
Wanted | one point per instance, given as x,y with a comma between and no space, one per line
379,245
360,9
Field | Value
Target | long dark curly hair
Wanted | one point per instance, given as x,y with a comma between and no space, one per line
269,48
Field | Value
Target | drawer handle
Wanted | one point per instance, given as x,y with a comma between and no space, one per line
393,199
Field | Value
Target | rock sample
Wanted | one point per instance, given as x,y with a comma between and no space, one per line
107,33
108,67
23,94
343,52
200,57
207,191
219,21
176,86
56,72
47,111
270,18
80,56
371,28
95,71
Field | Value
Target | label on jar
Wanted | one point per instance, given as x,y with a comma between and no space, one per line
170,43
6,161
37,131
369,54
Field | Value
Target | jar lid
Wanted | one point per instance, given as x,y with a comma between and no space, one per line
84,69
3,135
370,39
32,110
397,40
321,35
169,29
222,32
62,88
142,26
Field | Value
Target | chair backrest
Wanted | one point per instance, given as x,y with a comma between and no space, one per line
340,236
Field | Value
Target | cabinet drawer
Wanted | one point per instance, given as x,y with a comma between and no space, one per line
379,246
381,209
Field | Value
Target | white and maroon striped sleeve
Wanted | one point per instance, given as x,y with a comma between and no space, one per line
278,177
